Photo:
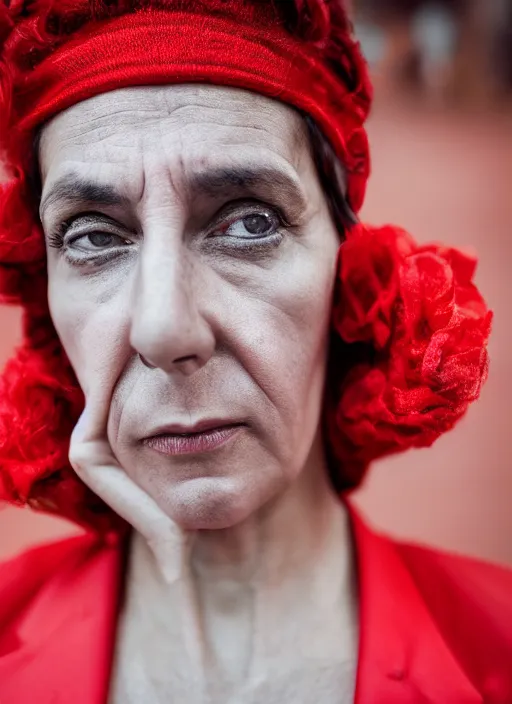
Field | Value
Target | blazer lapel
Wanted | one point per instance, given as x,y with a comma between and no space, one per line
403,658
59,606
58,634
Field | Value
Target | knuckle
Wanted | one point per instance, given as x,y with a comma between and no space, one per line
79,457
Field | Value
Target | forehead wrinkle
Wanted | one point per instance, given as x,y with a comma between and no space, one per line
107,116
177,187
282,131
179,184
228,115
169,102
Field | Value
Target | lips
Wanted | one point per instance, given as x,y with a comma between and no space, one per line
199,427
204,436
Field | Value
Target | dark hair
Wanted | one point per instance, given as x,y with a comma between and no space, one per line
330,171
332,177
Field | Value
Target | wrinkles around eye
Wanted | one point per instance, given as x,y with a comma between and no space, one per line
239,227
233,224
98,241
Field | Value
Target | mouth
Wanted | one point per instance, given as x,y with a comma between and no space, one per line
197,439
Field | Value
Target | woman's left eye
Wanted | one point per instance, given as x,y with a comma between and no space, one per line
258,224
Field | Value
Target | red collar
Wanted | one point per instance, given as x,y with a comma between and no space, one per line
58,616
403,658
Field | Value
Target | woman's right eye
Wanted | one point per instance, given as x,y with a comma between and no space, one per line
88,232
88,239
96,241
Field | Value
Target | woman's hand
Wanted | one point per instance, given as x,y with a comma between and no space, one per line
93,460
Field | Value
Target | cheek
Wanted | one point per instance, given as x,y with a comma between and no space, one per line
285,336
93,333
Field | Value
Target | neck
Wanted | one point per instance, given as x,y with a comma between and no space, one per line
286,534
284,538
237,589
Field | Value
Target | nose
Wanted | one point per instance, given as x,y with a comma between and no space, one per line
169,329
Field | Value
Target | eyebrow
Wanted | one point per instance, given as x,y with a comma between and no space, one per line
75,189
257,178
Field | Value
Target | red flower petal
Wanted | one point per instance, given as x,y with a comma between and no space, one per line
428,326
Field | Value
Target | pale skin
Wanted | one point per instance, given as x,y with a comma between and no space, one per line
240,586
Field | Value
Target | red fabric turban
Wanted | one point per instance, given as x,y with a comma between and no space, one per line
409,327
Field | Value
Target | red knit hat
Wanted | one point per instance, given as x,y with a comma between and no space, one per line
409,318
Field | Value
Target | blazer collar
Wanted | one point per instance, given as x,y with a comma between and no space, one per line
403,658
59,647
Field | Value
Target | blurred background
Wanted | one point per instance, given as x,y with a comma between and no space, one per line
441,134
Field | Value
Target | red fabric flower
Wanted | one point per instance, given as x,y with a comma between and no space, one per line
426,328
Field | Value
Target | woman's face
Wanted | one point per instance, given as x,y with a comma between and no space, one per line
186,225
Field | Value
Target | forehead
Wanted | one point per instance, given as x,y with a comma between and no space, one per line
164,122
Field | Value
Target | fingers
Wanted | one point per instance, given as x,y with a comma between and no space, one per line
93,459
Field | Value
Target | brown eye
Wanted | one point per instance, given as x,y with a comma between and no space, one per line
101,239
257,224
91,241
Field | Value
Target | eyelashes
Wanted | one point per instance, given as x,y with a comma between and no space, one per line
219,234
56,237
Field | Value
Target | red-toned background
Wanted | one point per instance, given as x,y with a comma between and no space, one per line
444,173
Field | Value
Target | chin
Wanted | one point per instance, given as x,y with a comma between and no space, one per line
210,503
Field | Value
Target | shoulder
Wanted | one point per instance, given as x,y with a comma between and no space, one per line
470,601
465,584
56,601
22,576
38,563
43,557
445,619
53,567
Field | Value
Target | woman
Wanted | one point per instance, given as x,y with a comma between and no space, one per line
184,182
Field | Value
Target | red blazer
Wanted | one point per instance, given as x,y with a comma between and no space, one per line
434,628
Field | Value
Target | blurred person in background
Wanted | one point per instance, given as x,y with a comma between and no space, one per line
502,46
443,49
215,350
